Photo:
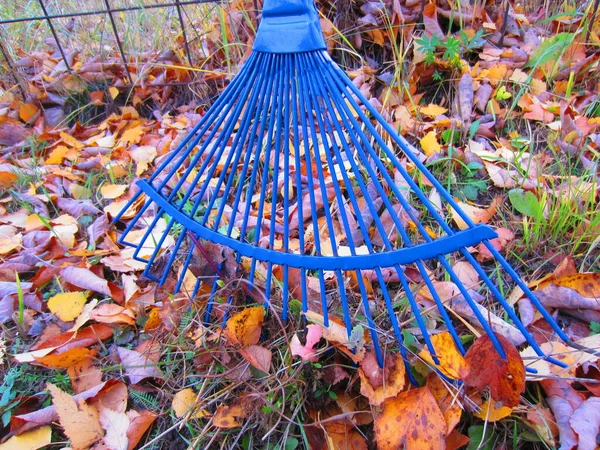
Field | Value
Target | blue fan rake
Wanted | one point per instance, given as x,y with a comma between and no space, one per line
295,171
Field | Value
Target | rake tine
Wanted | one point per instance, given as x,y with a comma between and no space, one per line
508,308
350,170
207,121
382,231
185,266
238,144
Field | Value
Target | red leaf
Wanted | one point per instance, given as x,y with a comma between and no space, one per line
504,377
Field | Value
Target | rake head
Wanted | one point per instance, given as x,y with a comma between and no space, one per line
316,198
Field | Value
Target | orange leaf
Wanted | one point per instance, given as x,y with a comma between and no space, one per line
451,362
132,135
586,284
456,440
380,384
447,401
66,359
7,179
84,375
27,112
226,416
504,377
139,422
414,419
80,421
244,328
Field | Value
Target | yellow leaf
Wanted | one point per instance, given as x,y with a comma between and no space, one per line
451,362
430,144
113,92
185,401
489,412
110,191
30,440
67,306
57,155
432,110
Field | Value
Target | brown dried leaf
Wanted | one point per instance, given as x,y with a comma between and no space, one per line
80,421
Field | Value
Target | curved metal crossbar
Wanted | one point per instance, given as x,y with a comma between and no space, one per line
321,199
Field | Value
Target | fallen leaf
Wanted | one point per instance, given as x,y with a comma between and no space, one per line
447,397
67,306
85,279
227,416
259,357
116,425
244,328
112,191
586,284
563,411
24,422
586,423
433,110
451,362
7,179
66,359
379,384
111,313
475,213
138,367
489,413
30,440
28,111
185,401
414,419
307,352
143,156
430,144
84,375
139,424
336,334
65,341
79,420
504,377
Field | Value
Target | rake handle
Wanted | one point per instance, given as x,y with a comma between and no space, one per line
289,26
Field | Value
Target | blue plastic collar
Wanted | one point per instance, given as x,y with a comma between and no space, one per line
289,26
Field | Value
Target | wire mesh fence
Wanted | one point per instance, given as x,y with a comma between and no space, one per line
124,44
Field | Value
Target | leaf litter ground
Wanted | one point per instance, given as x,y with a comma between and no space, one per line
505,109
